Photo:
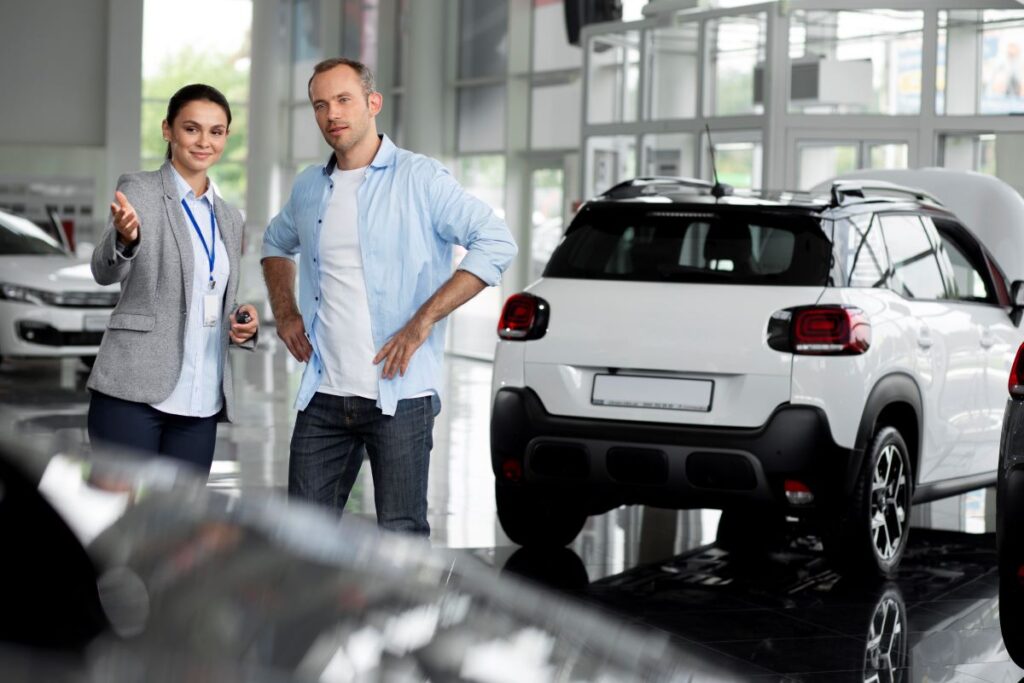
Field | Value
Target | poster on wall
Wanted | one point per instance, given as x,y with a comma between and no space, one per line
60,206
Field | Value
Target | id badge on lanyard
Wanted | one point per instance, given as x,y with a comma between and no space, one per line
211,310
211,302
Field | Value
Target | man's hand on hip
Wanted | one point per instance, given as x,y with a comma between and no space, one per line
293,333
398,350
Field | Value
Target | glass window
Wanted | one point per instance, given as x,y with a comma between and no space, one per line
546,216
481,118
736,52
980,62
820,162
718,245
860,252
972,152
483,176
915,270
555,114
614,77
610,159
359,31
969,282
20,236
216,53
739,162
306,45
669,154
856,62
471,327
306,140
888,155
673,72
551,48
483,38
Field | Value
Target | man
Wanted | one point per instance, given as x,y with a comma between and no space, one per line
375,228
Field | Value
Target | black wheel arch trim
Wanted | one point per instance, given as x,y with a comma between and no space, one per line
894,388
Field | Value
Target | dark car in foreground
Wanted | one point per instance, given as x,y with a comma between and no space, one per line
1010,514
131,570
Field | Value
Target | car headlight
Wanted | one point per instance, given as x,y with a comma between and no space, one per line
25,294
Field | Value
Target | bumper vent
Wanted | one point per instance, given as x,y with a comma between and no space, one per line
560,460
726,471
638,465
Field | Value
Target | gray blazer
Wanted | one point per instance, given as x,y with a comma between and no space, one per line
140,356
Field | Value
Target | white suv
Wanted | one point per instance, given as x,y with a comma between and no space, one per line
832,359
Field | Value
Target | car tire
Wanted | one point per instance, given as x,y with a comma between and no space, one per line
870,539
1010,549
750,532
537,519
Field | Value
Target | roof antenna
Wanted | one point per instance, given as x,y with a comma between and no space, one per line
718,190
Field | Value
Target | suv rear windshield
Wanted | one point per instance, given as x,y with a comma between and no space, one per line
715,244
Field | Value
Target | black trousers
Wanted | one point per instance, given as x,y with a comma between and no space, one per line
142,427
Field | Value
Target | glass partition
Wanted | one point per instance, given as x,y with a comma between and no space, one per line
855,62
610,159
672,84
613,77
669,154
980,67
735,62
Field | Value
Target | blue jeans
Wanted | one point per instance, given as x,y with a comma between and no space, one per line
328,443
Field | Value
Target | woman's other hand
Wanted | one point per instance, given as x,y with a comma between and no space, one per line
242,332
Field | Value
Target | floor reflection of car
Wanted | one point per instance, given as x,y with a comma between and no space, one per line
1010,513
49,303
137,571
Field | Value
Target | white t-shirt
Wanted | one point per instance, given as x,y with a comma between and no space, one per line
344,336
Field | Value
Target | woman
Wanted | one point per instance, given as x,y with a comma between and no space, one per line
162,379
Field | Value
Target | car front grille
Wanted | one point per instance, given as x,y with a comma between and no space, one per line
46,335
82,299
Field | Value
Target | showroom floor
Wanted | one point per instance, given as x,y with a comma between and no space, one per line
785,616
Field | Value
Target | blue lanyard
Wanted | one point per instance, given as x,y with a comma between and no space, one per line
211,251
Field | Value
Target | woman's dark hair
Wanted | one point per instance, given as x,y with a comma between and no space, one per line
191,93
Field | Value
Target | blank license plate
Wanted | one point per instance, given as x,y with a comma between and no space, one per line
652,392
95,323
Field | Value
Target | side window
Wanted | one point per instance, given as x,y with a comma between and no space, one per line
915,267
967,272
860,252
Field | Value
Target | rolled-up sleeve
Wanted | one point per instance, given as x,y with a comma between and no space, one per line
281,237
462,219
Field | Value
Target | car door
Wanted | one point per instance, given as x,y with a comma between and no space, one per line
946,365
979,291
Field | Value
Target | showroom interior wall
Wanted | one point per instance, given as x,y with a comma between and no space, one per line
918,81
70,109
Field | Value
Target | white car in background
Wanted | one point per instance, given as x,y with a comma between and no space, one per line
832,358
49,303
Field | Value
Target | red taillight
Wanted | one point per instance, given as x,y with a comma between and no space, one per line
524,316
1016,381
512,470
820,330
797,492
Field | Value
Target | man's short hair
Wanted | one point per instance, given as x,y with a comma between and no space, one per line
363,71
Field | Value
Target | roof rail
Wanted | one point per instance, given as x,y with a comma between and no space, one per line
850,191
634,187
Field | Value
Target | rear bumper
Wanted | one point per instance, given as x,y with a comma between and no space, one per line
609,463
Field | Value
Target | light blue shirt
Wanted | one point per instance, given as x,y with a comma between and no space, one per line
411,212
198,391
